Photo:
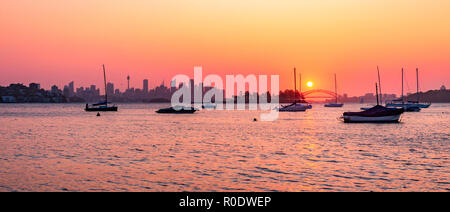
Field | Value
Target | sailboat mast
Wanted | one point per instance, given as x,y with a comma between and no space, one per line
335,88
106,92
300,86
417,78
403,101
295,86
376,91
379,85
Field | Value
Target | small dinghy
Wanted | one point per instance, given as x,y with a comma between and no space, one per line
177,109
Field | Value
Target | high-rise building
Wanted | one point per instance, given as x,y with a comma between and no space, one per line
93,88
71,88
145,86
80,91
110,88
66,92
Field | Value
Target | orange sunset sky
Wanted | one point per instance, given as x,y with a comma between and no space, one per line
55,42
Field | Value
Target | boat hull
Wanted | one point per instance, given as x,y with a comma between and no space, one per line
423,105
95,109
408,105
380,119
291,110
294,108
376,114
333,105
412,109
180,111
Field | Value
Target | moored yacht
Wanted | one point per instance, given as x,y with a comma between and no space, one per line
376,114
296,106
335,104
400,103
409,105
101,106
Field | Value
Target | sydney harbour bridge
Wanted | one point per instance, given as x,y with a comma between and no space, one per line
318,94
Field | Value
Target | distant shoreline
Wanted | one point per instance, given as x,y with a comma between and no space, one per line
18,93
117,103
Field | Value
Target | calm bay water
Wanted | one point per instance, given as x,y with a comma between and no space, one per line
59,147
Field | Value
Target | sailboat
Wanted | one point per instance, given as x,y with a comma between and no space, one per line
101,106
381,93
417,102
376,114
408,106
295,107
336,104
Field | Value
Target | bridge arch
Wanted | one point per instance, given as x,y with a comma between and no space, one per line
322,94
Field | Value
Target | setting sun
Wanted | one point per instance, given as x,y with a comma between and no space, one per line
309,84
